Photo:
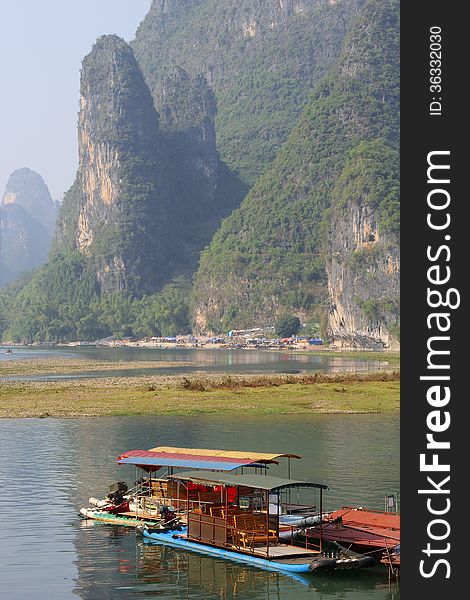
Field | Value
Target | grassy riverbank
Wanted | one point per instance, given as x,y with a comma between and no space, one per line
202,393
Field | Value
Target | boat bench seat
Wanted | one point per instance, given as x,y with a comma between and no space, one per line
223,512
251,529
230,514
214,511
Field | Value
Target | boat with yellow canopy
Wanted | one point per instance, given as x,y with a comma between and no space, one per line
155,496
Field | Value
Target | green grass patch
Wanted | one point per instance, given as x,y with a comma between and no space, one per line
203,395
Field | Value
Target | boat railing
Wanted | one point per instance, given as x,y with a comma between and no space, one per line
242,531
153,505
209,529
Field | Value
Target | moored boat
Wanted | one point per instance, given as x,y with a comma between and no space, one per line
155,497
236,523
122,519
360,529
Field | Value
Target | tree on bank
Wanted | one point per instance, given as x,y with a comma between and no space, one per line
287,326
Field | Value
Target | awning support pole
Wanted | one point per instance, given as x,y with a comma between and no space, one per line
267,524
187,501
288,477
321,520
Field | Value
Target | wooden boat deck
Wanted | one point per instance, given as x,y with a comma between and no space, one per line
278,551
285,551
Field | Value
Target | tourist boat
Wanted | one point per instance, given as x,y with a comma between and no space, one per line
155,498
235,522
359,529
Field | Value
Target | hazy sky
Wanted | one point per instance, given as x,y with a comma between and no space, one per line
42,43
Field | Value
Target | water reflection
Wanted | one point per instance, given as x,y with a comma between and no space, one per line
195,360
131,568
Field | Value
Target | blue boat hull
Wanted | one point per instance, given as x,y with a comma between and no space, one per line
172,539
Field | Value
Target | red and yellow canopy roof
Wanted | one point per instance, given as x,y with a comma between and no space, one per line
197,458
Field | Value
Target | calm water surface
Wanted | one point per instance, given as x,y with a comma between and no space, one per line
211,360
50,467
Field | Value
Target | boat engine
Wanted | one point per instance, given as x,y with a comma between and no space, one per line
117,492
168,514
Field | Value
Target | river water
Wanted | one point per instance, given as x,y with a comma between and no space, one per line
49,468
208,360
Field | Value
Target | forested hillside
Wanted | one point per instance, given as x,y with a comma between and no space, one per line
264,135
270,255
262,60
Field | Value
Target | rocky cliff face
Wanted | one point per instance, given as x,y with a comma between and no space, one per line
203,190
187,109
246,19
26,188
261,59
150,189
363,261
363,281
25,242
27,221
120,185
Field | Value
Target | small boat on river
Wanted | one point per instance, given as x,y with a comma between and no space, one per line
155,499
226,505
359,529
235,523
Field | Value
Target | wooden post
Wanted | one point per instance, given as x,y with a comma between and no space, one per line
288,477
139,487
278,512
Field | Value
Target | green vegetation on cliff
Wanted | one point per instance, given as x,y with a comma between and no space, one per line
62,302
261,59
370,177
269,255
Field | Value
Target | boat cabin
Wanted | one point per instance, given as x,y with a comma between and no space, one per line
240,512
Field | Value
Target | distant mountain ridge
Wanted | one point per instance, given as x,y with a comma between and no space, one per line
27,222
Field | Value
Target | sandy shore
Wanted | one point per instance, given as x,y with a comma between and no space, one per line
69,366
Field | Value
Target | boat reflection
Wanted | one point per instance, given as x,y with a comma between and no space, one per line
207,577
